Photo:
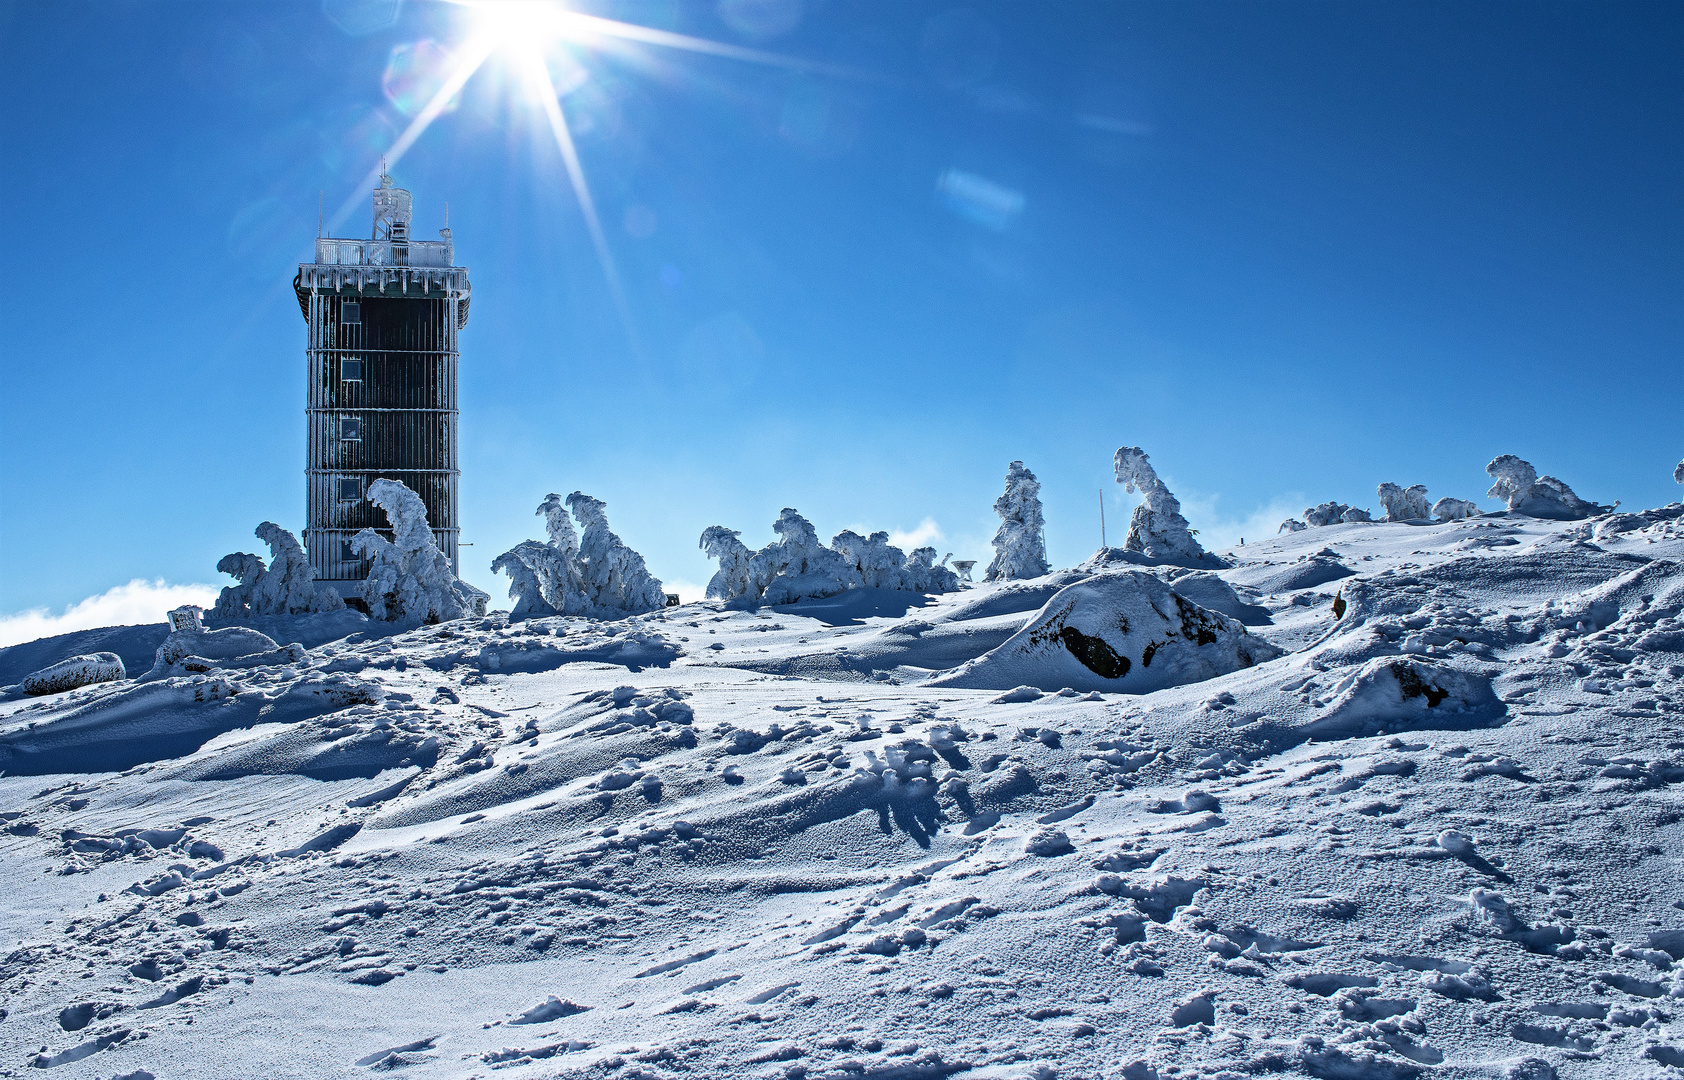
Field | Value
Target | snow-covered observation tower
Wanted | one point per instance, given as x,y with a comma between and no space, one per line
384,316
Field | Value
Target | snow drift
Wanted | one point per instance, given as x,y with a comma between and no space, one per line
1122,631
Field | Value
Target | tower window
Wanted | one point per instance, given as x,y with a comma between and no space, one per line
346,554
350,489
350,428
351,315
351,370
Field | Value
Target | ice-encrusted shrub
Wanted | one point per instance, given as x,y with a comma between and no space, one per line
1020,544
1518,483
613,576
1352,513
734,577
1291,525
1404,504
1328,513
285,586
1448,509
1157,529
797,567
409,578
596,574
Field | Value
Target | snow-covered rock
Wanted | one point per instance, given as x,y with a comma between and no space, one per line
1121,631
286,586
1448,509
1518,483
1404,504
1156,530
75,672
409,578
1390,693
1020,544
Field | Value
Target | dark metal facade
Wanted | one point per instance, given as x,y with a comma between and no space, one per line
382,399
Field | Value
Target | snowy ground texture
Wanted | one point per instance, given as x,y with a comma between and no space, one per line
1439,836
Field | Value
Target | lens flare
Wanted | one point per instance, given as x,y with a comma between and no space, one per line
414,74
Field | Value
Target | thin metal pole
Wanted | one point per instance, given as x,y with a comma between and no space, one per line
1102,519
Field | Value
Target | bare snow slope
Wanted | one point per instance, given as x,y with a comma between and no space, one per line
1440,837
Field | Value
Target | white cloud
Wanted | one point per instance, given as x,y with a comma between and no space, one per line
927,532
1219,530
137,603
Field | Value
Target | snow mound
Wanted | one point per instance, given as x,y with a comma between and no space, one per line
1020,544
1123,631
1389,693
286,586
1404,504
1157,530
1542,497
409,578
78,671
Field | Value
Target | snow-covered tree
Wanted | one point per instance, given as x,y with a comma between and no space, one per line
1020,544
1404,504
1518,483
923,574
613,576
1328,513
798,567
526,564
285,586
1353,514
1291,525
409,578
1678,474
1448,509
1157,529
880,564
735,575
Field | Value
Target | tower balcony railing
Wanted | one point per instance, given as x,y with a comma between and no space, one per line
332,252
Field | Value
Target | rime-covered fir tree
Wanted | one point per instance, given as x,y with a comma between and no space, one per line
1020,544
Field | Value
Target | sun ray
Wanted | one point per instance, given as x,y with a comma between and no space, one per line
474,55
546,93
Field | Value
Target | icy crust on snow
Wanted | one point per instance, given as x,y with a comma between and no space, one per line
797,567
1122,631
1518,483
595,575
285,586
409,578
1438,839
1020,543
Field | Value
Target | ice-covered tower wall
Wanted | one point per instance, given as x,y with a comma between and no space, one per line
1157,529
384,316
1020,544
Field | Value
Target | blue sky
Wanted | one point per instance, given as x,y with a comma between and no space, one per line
1291,249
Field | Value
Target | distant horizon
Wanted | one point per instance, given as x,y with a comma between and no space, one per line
1292,252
